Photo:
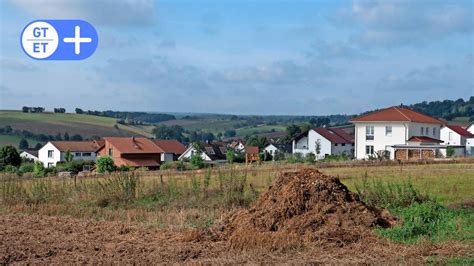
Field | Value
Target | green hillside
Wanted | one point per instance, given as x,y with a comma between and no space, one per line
53,123
15,140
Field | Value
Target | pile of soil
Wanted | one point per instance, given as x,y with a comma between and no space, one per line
301,208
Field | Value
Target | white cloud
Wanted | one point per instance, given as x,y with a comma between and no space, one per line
103,12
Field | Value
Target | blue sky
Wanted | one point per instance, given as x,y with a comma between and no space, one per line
245,57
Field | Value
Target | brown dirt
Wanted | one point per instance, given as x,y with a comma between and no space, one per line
300,209
304,217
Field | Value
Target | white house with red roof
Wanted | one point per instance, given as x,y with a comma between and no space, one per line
453,135
398,132
323,142
54,151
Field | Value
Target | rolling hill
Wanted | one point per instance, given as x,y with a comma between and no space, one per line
85,125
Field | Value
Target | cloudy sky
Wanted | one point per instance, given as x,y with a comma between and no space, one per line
245,57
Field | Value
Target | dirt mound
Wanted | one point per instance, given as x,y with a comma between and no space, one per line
301,208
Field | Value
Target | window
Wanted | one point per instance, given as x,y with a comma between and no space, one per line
434,132
369,133
369,149
77,154
110,152
388,131
422,131
86,154
343,144
335,144
50,165
50,154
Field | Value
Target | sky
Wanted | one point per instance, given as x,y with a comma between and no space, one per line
245,57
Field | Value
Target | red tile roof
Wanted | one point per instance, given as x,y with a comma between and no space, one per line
424,139
170,146
133,145
396,114
85,146
251,149
461,131
333,135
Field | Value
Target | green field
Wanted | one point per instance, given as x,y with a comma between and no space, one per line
53,123
15,140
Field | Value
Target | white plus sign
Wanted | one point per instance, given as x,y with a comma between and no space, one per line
77,40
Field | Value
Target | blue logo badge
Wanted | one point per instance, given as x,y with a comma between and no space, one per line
59,39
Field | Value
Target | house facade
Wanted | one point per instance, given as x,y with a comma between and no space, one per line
210,151
396,131
323,142
172,149
54,151
274,148
132,152
30,155
455,136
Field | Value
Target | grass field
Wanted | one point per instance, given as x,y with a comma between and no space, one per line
177,202
15,140
53,123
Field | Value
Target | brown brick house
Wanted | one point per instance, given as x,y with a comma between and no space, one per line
132,151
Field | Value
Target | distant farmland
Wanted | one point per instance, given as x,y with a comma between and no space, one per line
53,123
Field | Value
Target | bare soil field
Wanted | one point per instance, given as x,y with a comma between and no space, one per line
303,217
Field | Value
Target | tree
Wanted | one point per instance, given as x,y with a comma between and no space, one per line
79,111
38,146
76,137
105,164
68,156
197,161
38,170
58,137
169,132
9,156
230,133
25,109
23,145
66,136
293,130
318,146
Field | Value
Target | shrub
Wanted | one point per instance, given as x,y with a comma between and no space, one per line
9,156
39,170
230,156
27,168
296,158
310,158
335,158
449,151
105,164
123,168
174,165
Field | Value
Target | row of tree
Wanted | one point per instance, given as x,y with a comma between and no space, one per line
27,109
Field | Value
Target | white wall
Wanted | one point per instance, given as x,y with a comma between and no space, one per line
167,157
381,140
470,147
58,156
271,149
415,130
307,145
28,156
43,155
456,139
190,151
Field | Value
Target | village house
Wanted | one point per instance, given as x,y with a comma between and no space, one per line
54,151
132,152
172,149
252,154
275,148
323,142
237,146
459,138
30,155
397,133
210,151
